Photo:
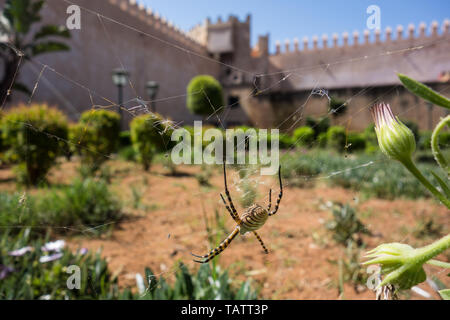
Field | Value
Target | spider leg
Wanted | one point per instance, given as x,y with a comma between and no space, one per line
216,251
227,193
261,242
235,217
280,195
270,200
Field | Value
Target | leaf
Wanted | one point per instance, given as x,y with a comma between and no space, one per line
442,183
424,91
47,47
52,30
445,294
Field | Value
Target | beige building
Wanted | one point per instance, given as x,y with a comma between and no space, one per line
262,89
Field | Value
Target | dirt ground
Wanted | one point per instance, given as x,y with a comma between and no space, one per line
167,223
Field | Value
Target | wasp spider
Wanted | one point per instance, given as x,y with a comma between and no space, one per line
250,221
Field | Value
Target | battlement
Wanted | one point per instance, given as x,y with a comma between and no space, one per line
199,32
152,18
326,44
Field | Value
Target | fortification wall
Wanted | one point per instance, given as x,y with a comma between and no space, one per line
368,63
148,46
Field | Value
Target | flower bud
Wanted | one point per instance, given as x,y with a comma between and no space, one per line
394,138
400,264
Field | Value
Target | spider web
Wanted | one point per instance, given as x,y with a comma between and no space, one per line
138,105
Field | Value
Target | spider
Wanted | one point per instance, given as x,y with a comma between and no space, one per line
250,221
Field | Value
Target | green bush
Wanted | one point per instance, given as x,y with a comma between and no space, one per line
356,142
34,135
370,136
322,140
424,142
413,127
336,138
83,205
319,125
204,95
150,135
303,136
125,139
96,137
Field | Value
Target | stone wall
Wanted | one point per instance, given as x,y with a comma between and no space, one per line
159,51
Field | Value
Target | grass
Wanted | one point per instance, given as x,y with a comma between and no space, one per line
83,205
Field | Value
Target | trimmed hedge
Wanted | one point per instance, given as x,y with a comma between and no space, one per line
150,135
204,94
303,136
36,137
96,137
336,138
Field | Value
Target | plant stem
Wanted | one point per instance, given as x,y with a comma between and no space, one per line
435,144
409,164
428,252
438,263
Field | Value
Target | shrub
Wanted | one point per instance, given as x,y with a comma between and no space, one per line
125,139
356,142
149,135
33,135
96,136
322,140
336,138
303,136
319,125
337,107
424,142
413,127
204,95
371,139
84,204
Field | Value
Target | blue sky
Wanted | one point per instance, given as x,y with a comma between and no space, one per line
287,19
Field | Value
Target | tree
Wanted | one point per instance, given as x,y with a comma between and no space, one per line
204,95
16,22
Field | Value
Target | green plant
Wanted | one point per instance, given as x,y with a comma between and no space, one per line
204,176
25,275
424,142
356,142
337,138
210,283
35,138
319,125
345,225
85,206
204,95
322,140
401,264
96,137
337,107
150,134
303,136
18,22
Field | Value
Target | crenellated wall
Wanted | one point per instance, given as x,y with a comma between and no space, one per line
147,45
356,62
